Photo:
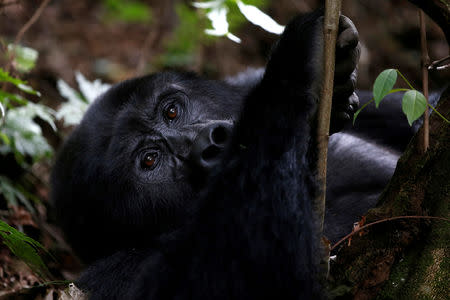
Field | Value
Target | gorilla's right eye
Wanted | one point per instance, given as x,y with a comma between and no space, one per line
171,112
149,160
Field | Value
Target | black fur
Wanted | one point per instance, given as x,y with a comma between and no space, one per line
225,212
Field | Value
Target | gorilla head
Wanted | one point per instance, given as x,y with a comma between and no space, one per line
138,158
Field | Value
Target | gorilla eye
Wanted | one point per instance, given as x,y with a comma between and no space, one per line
171,112
149,160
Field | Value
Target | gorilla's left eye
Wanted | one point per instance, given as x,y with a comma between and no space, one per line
149,160
171,112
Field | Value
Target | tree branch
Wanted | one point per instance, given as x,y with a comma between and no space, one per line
425,62
330,28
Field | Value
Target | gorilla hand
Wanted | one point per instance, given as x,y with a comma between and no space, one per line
345,100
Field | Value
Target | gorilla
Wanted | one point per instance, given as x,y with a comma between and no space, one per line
179,187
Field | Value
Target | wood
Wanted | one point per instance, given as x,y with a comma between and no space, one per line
330,29
425,62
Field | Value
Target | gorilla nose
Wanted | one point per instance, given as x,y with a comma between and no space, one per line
209,144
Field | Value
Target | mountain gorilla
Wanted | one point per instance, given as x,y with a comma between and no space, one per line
188,188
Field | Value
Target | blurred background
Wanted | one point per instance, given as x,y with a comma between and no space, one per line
107,41
103,40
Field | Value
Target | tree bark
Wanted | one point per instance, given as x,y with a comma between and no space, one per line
405,259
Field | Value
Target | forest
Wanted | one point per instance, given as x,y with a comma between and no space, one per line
57,57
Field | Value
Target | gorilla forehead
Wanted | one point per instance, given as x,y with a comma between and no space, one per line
216,97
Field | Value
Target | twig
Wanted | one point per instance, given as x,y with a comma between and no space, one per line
436,65
425,62
330,28
31,21
382,221
24,29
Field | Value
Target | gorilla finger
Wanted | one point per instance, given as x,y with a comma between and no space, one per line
353,101
347,63
338,121
344,23
344,90
347,39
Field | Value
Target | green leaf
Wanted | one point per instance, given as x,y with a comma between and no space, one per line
128,11
28,89
20,84
24,58
5,139
24,248
25,134
186,39
13,97
383,84
5,77
414,105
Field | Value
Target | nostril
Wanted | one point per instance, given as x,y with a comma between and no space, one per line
210,153
219,135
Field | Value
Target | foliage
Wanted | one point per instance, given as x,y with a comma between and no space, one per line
225,14
73,110
15,193
25,248
128,11
414,102
23,58
186,39
20,134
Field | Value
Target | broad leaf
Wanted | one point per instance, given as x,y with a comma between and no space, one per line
414,105
25,134
257,17
73,110
383,84
90,89
24,57
24,247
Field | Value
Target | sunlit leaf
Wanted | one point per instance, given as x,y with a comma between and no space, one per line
28,89
218,17
383,84
414,105
208,4
257,17
25,134
90,89
24,57
2,113
73,110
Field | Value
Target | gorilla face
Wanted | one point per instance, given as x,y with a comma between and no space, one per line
147,147
168,127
